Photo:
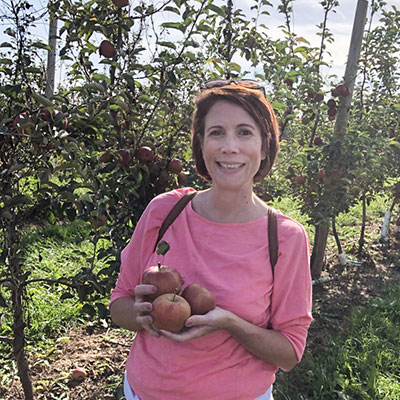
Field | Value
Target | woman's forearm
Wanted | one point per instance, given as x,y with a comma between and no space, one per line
266,344
123,314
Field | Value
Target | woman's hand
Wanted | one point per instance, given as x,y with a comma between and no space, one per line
143,308
200,325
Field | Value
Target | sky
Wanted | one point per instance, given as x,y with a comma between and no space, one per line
307,14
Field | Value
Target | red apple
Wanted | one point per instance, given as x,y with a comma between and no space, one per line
321,175
182,177
78,374
101,220
166,279
300,180
332,112
163,178
124,157
105,158
175,166
288,82
107,49
331,103
120,3
45,114
340,90
170,312
145,155
332,117
318,97
201,300
318,141
397,222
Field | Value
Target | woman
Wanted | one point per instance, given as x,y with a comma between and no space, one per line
220,241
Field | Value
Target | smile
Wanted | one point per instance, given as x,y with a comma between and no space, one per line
230,166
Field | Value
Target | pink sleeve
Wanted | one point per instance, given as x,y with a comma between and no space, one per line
292,290
135,255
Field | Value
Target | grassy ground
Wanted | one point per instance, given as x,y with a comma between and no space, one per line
358,362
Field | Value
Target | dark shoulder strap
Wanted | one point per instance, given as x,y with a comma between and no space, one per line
173,214
273,237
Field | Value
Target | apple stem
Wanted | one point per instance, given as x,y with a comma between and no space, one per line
159,265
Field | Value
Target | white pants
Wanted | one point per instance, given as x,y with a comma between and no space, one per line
130,395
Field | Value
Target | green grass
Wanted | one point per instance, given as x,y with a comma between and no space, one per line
51,252
361,363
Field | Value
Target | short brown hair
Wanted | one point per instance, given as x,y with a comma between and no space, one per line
251,100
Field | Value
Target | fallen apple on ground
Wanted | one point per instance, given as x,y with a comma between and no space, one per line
170,312
201,300
78,374
166,279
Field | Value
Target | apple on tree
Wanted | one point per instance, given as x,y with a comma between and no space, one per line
145,155
318,141
175,166
107,49
300,180
120,3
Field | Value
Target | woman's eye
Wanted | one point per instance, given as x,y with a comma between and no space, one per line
215,133
245,132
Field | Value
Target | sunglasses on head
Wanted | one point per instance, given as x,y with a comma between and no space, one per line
247,83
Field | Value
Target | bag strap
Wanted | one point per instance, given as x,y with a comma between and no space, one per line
272,226
273,237
173,214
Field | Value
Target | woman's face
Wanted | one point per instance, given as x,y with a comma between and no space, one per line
231,146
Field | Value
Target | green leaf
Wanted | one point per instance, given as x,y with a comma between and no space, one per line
172,9
16,167
42,100
163,248
191,56
41,45
94,87
101,77
6,61
394,143
174,25
171,77
217,10
167,44
6,44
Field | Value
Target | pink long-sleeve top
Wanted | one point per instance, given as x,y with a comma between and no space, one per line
231,260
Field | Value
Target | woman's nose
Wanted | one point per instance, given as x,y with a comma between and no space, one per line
230,144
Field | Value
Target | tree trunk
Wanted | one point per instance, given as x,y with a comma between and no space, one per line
12,243
318,252
361,241
19,344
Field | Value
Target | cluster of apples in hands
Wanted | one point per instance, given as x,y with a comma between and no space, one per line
171,307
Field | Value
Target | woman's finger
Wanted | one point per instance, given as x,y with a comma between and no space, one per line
142,290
